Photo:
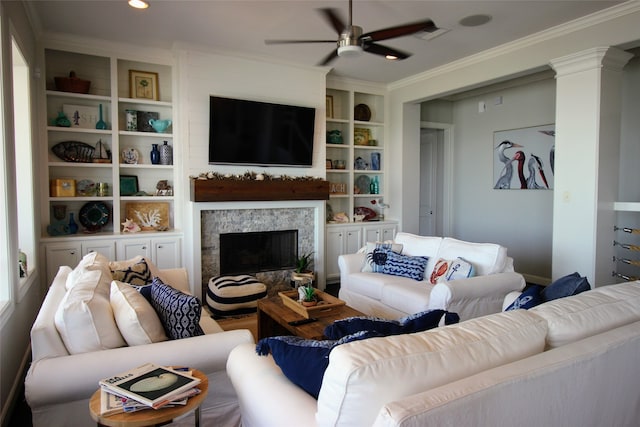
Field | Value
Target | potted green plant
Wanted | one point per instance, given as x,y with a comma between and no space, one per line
307,294
302,274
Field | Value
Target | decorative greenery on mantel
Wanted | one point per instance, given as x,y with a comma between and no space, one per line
252,176
252,186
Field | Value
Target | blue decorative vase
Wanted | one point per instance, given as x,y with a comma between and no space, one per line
155,154
73,225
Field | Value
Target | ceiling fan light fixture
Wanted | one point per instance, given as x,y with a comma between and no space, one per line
349,51
138,4
391,57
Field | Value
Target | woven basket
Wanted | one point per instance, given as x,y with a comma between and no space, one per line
72,84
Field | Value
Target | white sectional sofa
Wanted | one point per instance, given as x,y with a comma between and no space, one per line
568,362
59,385
392,296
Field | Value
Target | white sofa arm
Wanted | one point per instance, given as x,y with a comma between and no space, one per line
75,377
267,398
350,263
475,296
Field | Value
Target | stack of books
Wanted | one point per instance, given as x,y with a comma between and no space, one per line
147,386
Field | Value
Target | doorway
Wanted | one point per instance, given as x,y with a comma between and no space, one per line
435,155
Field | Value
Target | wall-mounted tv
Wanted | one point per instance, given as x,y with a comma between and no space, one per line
260,133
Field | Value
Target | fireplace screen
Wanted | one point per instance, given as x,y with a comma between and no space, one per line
243,253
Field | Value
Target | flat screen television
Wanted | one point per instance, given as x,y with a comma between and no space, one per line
260,133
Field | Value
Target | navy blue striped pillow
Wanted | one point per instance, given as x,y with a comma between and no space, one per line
406,266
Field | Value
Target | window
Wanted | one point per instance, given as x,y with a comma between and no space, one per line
23,151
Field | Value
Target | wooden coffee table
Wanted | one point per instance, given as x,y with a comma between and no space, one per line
151,417
274,318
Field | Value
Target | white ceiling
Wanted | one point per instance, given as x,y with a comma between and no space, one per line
243,25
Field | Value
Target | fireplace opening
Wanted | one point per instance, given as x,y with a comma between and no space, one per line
243,253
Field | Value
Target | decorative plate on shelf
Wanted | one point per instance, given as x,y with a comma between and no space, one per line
362,113
94,216
130,156
368,213
86,188
362,184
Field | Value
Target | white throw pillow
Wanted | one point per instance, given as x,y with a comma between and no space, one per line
84,318
137,320
91,261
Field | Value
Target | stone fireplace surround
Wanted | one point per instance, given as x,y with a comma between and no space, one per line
211,219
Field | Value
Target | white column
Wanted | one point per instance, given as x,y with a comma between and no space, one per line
588,103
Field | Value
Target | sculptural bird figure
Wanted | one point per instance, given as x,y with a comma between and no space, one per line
535,165
504,182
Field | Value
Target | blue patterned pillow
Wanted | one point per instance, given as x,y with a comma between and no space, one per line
528,299
406,325
178,312
304,361
406,266
377,257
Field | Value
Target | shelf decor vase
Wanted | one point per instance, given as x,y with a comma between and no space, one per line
159,126
166,154
155,154
73,225
101,123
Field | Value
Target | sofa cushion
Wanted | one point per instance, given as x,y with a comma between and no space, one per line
138,274
369,284
406,295
528,299
304,361
178,312
376,255
413,323
487,258
136,319
415,245
352,394
590,313
571,284
90,262
84,318
412,267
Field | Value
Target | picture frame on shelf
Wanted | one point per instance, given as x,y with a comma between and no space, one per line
143,85
148,215
329,106
128,185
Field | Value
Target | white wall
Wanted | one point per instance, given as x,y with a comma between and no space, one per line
203,73
617,27
519,220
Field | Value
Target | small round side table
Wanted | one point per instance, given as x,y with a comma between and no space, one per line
151,417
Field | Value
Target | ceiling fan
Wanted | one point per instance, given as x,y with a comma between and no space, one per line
352,42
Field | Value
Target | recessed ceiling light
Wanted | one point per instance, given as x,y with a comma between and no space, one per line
474,20
138,4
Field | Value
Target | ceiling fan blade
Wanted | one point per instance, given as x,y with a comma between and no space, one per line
379,49
329,58
297,41
399,31
331,16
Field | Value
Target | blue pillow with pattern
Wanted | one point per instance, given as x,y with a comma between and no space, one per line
566,286
406,266
304,361
528,299
418,322
178,312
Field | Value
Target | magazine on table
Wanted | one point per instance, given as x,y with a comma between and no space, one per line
150,384
111,403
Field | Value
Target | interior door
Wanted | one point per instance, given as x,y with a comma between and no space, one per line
431,167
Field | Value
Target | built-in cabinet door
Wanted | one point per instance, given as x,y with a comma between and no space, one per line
340,240
380,232
166,253
128,249
68,253
104,247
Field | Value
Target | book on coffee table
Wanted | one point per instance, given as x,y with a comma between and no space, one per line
150,384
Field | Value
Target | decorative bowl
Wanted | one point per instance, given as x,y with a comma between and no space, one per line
72,84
